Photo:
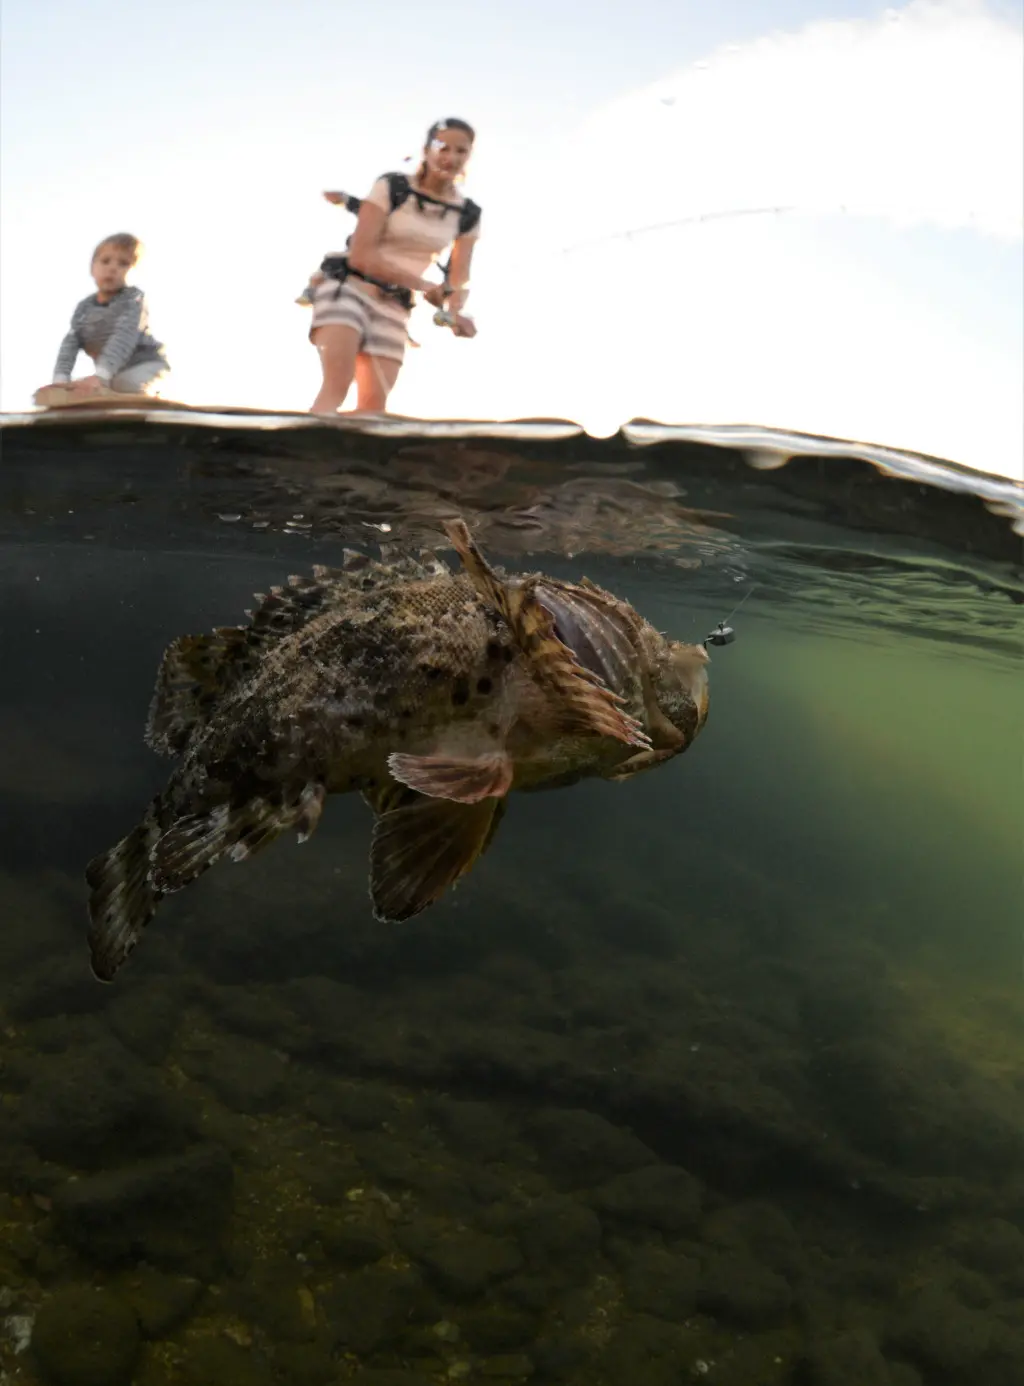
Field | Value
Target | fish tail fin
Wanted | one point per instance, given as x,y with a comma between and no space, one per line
122,896
164,853
196,841
584,702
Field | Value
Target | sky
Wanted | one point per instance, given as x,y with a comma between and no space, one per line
843,183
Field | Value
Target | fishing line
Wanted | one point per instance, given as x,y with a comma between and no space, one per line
693,219
723,633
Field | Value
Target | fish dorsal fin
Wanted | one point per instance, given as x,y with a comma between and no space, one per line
198,670
194,674
582,701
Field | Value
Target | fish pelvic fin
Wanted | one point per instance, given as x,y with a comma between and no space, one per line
583,702
464,780
424,849
122,896
197,840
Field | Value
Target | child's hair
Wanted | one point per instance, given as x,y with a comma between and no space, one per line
123,240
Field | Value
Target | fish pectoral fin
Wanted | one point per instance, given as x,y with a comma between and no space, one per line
420,851
587,705
466,780
196,841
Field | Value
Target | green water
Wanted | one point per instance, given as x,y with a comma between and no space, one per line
711,1076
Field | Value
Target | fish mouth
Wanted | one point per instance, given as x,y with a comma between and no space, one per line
589,630
699,692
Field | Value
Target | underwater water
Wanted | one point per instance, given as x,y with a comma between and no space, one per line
713,1075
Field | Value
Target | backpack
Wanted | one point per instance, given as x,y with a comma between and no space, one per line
400,189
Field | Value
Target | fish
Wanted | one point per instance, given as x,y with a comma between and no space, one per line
433,693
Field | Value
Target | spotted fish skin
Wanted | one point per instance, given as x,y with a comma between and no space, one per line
433,693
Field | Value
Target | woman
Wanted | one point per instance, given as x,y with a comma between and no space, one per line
362,304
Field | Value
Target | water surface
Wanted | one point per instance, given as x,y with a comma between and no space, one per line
714,1075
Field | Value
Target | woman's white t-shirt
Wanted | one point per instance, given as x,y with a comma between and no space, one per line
414,238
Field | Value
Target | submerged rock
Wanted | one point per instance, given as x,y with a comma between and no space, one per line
219,1362
994,1246
99,1106
61,986
474,1130
940,1333
465,1264
561,1355
393,1376
145,1019
850,1358
161,1302
371,1308
170,1211
496,1330
645,1350
274,1295
246,1075
509,1367
580,1148
740,1289
349,1244
662,1284
558,1232
660,1196
86,1337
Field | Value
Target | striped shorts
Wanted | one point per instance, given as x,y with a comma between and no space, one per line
381,324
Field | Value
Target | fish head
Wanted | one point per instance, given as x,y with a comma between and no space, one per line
679,682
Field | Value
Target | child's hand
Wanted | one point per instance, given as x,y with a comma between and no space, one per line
89,385
464,327
336,198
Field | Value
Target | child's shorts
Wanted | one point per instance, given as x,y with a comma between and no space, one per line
381,324
142,379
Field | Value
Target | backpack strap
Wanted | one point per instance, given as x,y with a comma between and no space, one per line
399,189
469,215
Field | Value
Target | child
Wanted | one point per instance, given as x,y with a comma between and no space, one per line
112,326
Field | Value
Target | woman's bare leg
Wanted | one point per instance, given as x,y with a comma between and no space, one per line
338,346
375,379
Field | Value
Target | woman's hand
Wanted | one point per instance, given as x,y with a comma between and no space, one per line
463,326
435,295
335,198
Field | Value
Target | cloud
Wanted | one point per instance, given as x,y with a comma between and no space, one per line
896,323
915,116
